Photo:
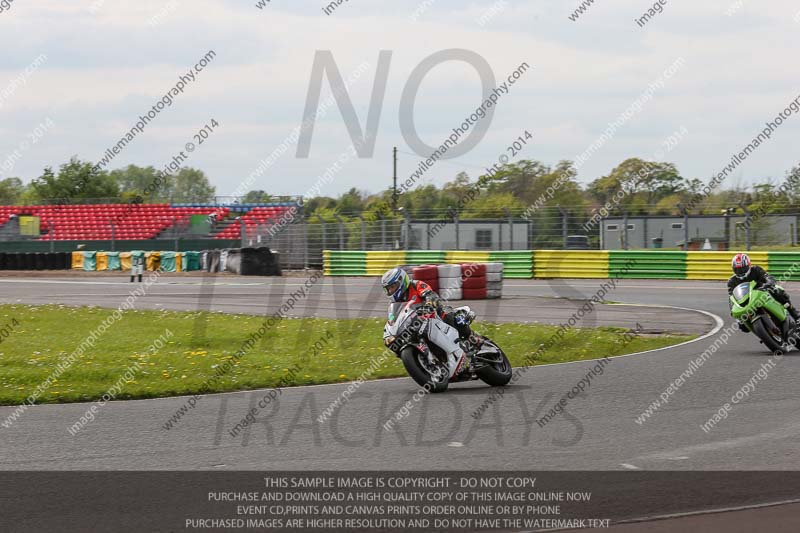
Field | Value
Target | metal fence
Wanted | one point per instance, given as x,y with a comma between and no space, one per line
226,201
300,240
693,232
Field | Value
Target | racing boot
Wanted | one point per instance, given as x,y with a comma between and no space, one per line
793,311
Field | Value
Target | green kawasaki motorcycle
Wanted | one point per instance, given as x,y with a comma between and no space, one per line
760,313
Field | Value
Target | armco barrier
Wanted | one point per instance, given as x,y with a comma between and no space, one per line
378,262
344,263
465,256
629,264
102,261
90,260
425,257
247,262
570,263
113,261
785,265
152,260
717,265
517,264
169,261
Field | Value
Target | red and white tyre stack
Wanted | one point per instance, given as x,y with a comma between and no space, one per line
473,281
450,287
494,280
427,273
467,281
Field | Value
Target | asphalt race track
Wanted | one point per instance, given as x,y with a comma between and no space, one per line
597,431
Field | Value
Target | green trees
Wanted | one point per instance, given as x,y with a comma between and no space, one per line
75,181
192,185
646,183
146,182
254,197
525,187
78,181
11,190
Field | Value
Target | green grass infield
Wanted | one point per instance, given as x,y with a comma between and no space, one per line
56,353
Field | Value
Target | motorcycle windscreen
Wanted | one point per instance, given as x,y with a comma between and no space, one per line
394,311
741,292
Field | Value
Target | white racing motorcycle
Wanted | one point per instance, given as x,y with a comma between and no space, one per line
432,352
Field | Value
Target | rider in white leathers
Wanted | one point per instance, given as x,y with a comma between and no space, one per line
400,288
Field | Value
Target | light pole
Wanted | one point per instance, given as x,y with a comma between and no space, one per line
727,212
747,223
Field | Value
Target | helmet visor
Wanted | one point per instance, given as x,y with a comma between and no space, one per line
741,271
392,288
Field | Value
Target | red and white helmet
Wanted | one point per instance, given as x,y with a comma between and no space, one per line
741,265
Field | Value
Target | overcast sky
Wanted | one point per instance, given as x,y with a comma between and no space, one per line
109,61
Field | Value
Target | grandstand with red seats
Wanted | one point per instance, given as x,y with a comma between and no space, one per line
257,216
133,221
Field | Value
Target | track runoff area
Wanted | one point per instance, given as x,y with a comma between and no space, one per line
574,444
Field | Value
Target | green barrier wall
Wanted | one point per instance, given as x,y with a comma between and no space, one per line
425,257
717,265
592,264
517,264
543,264
344,263
646,265
785,266
379,262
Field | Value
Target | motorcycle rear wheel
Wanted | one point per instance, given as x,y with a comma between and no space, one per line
419,373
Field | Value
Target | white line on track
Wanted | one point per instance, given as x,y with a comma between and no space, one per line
594,286
127,282
708,511
719,323
687,514
786,432
57,282
718,320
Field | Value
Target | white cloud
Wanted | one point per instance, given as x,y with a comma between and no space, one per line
106,68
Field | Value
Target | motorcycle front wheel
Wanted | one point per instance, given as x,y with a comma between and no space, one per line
493,367
770,340
420,370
